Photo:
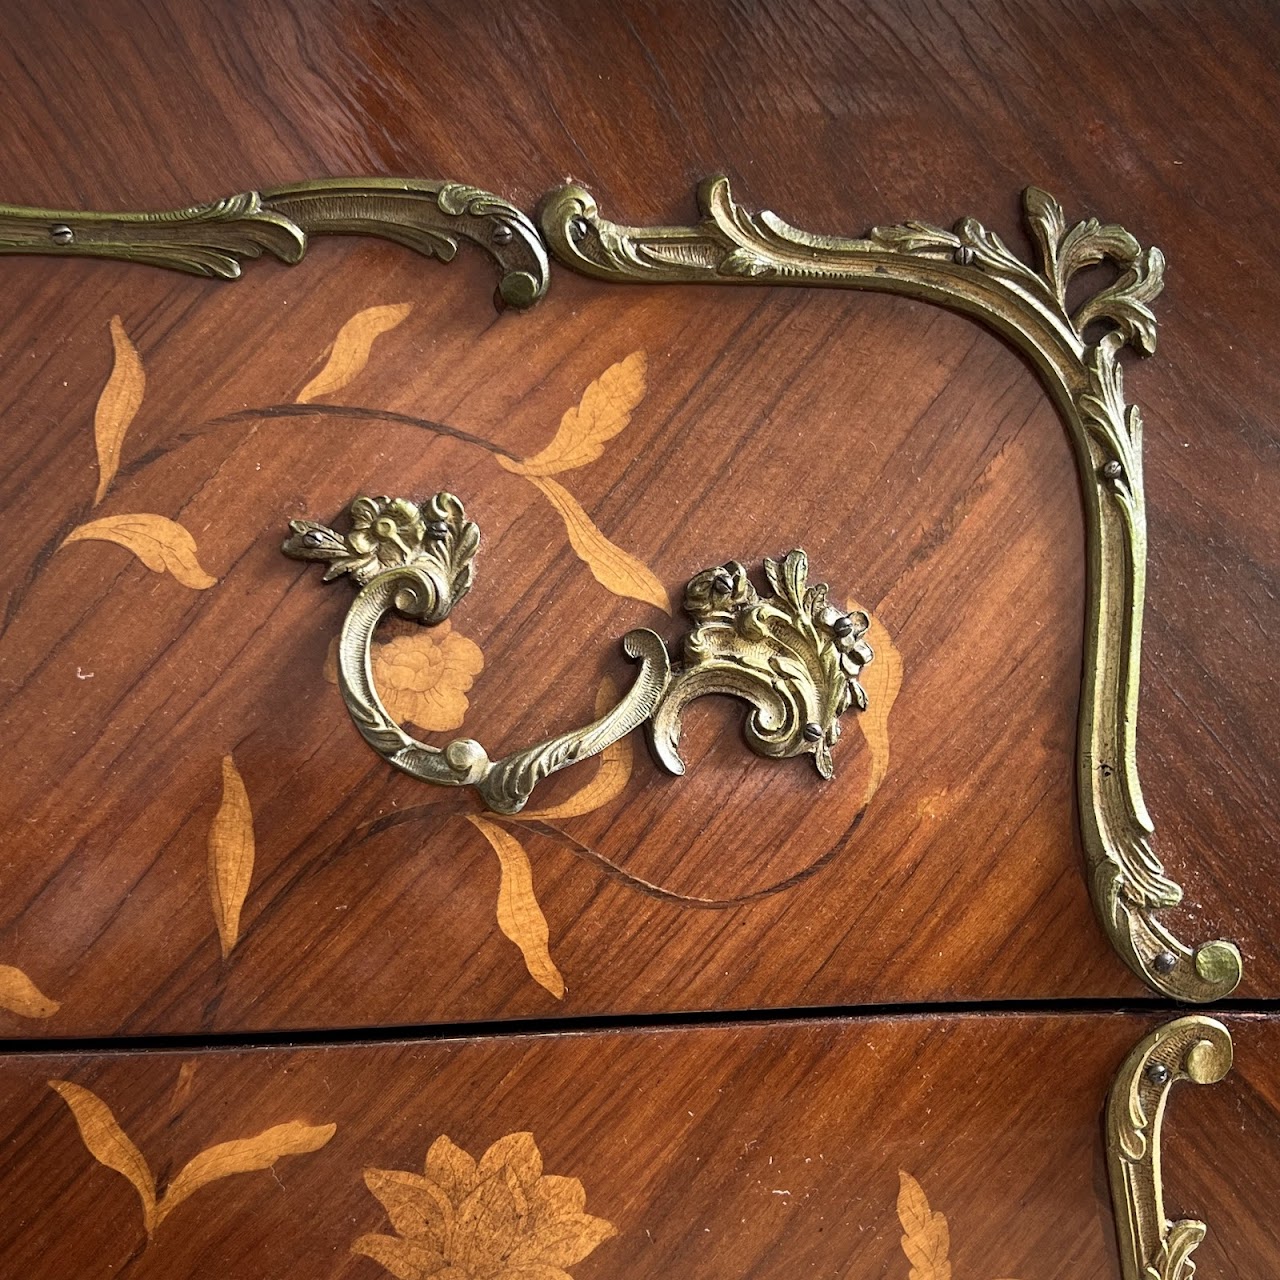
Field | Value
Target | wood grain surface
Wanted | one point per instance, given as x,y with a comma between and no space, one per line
679,1138
911,453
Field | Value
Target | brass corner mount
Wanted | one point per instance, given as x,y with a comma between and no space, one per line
1075,347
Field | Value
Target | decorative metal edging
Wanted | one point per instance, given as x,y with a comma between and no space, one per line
792,656
1195,1048
214,239
969,269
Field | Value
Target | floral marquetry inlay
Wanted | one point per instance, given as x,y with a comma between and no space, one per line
498,1218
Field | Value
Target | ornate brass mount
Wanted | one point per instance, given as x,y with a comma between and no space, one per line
793,656
1075,348
213,239
1194,1048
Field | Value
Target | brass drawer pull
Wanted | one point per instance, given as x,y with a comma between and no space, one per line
792,655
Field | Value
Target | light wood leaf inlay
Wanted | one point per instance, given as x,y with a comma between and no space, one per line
604,410
350,351
882,679
119,402
614,569
163,545
231,853
243,1155
20,995
111,1147
611,777
926,1238
519,916
496,1218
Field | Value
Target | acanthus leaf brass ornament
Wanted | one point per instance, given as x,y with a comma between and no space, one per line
792,655
213,239
1195,1048
1074,348
1076,353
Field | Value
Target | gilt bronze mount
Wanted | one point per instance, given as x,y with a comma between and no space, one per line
792,655
1074,345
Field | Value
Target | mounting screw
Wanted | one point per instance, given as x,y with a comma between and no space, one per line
312,539
60,233
1157,1073
437,531
502,234
843,626
811,732
964,256
578,229
1113,470
1164,962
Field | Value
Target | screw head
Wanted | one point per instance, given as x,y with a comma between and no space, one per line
843,626
964,256
60,233
578,229
1113,470
311,538
1157,1073
1164,962
811,732
437,531
502,234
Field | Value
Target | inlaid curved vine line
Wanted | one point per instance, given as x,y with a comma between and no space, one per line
1075,350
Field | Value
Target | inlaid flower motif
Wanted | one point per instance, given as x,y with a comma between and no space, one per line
422,677
498,1218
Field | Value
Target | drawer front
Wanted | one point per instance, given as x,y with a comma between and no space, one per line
851,1148
196,837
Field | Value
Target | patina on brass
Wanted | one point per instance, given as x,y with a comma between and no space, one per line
1076,351
1074,348
1194,1048
793,656
213,239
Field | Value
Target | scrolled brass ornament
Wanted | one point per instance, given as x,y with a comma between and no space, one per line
791,654
213,239
1075,348
1196,1049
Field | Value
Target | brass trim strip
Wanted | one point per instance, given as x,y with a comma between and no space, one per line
969,269
1195,1048
214,239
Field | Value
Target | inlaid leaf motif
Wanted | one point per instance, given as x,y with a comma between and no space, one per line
231,852
881,680
161,544
926,1240
350,351
243,1155
117,405
519,916
604,410
20,995
611,777
108,1144
614,569
499,1218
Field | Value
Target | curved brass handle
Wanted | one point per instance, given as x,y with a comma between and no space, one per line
792,655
